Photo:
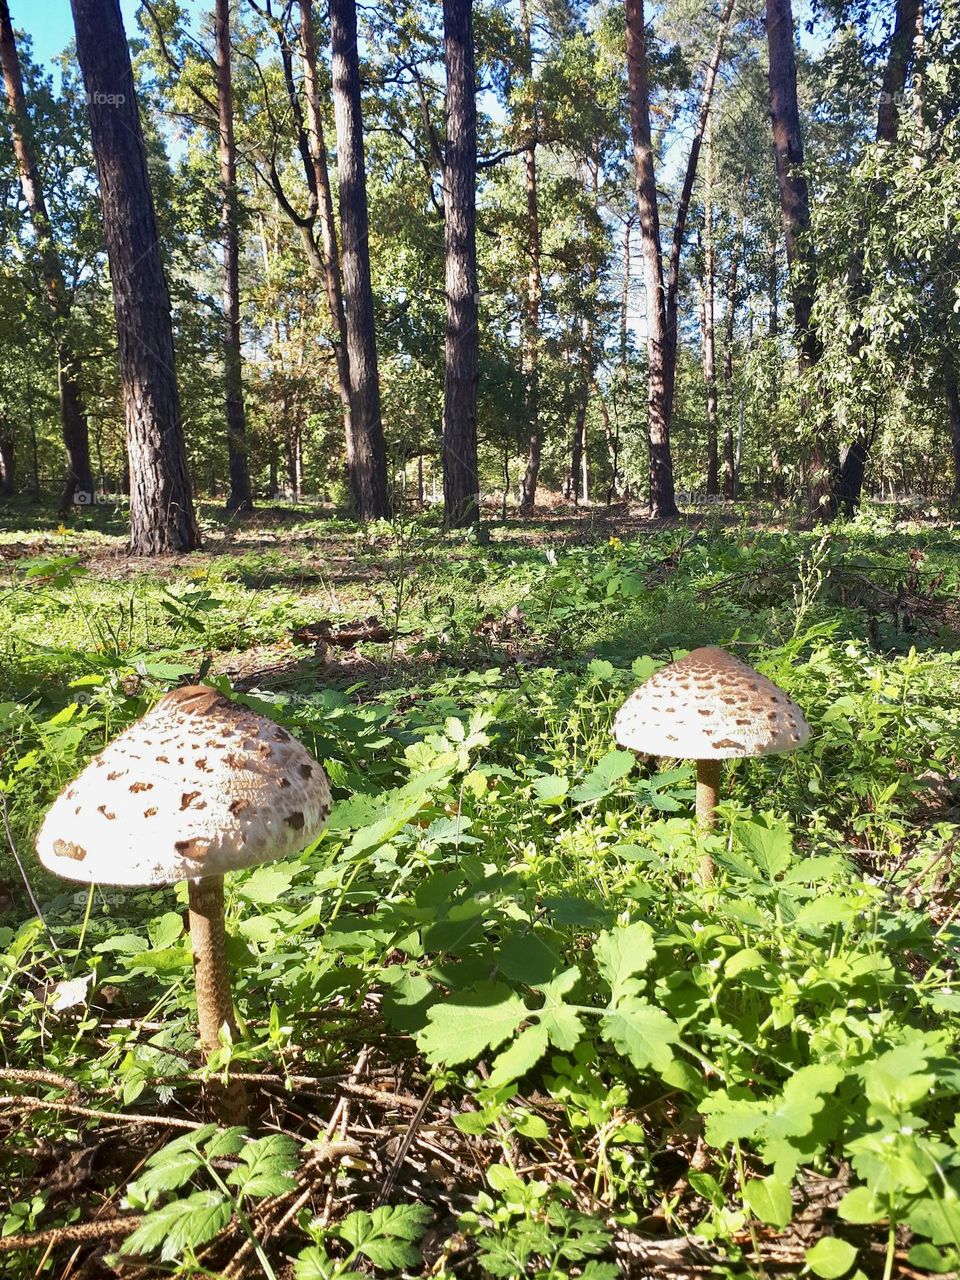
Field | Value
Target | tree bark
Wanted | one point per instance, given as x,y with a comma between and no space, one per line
161,505
319,168
729,456
73,417
795,216
662,495
531,336
953,418
369,476
239,498
708,352
461,484
8,461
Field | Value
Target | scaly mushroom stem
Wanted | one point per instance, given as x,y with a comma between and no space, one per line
708,793
214,1002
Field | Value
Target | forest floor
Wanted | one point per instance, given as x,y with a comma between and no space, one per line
492,1024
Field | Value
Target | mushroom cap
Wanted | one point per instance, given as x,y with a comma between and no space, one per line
199,786
710,706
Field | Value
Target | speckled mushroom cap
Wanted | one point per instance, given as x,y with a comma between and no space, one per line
197,787
710,706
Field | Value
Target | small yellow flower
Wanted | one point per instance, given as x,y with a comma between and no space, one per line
616,544
62,530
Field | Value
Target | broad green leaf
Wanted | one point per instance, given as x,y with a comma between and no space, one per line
551,788
265,1167
621,953
519,1057
770,849
601,780
644,1033
769,1200
469,1022
165,930
180,1225
831,1257
859,1206
268,883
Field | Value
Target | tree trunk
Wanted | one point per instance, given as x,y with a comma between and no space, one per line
161,505
709,353
953,417
531,336
239,498
8,461
662,496
795,216
369,476
729,458
73,418
461,484
317,151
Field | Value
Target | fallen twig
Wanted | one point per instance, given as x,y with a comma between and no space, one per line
56,1104
80,1231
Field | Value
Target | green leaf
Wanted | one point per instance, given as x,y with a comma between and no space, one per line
643,1032
769,1200
551,788
266,884
770,849
859,1206
469,1022
265,1167
831,1257
622,953
165,930
520,1057
601,780
180,1225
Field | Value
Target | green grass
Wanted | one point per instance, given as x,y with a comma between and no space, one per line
504,908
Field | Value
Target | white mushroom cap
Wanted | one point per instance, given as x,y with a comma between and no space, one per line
710,706
199,786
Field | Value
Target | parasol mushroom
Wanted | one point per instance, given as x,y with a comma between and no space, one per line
708,707
199,786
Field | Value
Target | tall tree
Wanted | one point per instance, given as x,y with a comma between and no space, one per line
369,477
708,320
73,415
161,505
795,217
239,498
662,293
461,483
531,328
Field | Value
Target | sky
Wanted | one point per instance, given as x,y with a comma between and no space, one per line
50,24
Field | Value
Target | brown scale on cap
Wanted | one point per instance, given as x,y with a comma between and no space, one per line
254,798
710,705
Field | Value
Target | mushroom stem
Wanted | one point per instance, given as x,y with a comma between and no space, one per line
708,792
212,981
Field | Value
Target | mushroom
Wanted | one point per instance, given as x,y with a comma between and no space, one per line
197,787
709,707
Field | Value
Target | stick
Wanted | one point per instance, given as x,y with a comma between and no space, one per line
68,1235
56,1104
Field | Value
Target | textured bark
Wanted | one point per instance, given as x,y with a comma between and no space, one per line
662,494
369,475
461,484
8,461
73,417
708,795
531,333
896,69
321,193
239,498
708,330
953,417
795,217
161,505
729,455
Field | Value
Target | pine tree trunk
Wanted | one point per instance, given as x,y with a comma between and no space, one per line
795,216
369,475
8,461
709,348
317,151
239,498
729,456
73,417
531,335
953,417
161,506
461,484
661,487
